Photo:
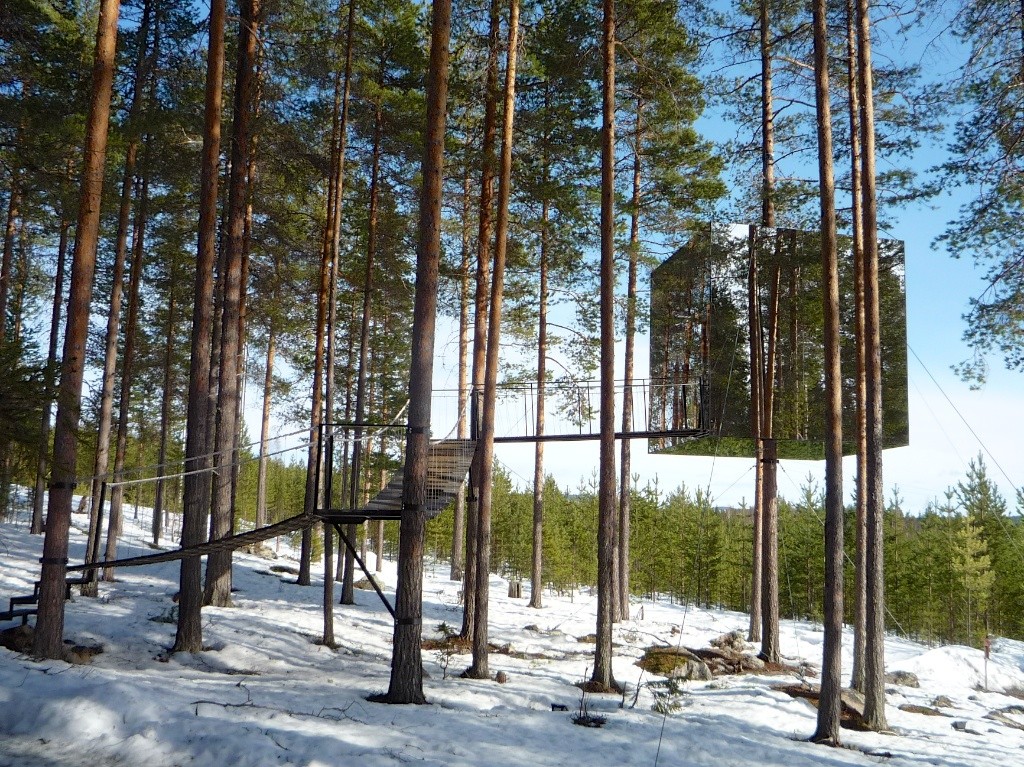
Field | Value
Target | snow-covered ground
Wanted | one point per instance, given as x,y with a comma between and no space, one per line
264,692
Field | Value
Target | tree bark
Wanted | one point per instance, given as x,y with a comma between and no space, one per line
105,425
756,407
348,592
196,500
7,262
459,522
43,464
165,413
602,675
480,319
625,456
339,142
218,564
874,651
48,642
268,385
770,501
127,373
479,669
829,704
406,684
857,226
537,556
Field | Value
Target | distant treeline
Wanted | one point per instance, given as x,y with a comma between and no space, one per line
953,570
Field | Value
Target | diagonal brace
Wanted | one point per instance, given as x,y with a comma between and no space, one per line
341,532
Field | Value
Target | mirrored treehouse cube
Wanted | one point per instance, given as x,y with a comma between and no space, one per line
701,348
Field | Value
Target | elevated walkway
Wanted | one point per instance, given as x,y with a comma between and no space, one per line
448,463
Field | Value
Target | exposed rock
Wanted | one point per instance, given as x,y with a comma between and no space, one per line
942,701
962,725
915,709
675,663
1004,717
261,550
902,678
753,663
733,642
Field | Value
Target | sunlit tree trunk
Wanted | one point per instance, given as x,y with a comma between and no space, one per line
218,565
459,517
607,512
7,263
348,594
196,500
49,630
43,465
625,463
106,414
770,501
874,648
127,374
537,554
857,226
479,668
756,407
829,705
160,502
406,684
480,319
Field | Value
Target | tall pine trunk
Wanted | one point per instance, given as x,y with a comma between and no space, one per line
480,319
459,518
406,684
607,512
160,501
339,142
196,498
264,459
537,555
479,668
830,706
127,373
106,414
857,226
625,457
348,593
874,647
48,642
756,407
222,513
43,464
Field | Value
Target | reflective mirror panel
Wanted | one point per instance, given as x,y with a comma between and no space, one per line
701,350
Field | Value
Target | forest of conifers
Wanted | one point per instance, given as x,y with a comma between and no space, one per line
250,216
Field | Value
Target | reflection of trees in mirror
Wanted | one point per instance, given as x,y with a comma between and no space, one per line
700,333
